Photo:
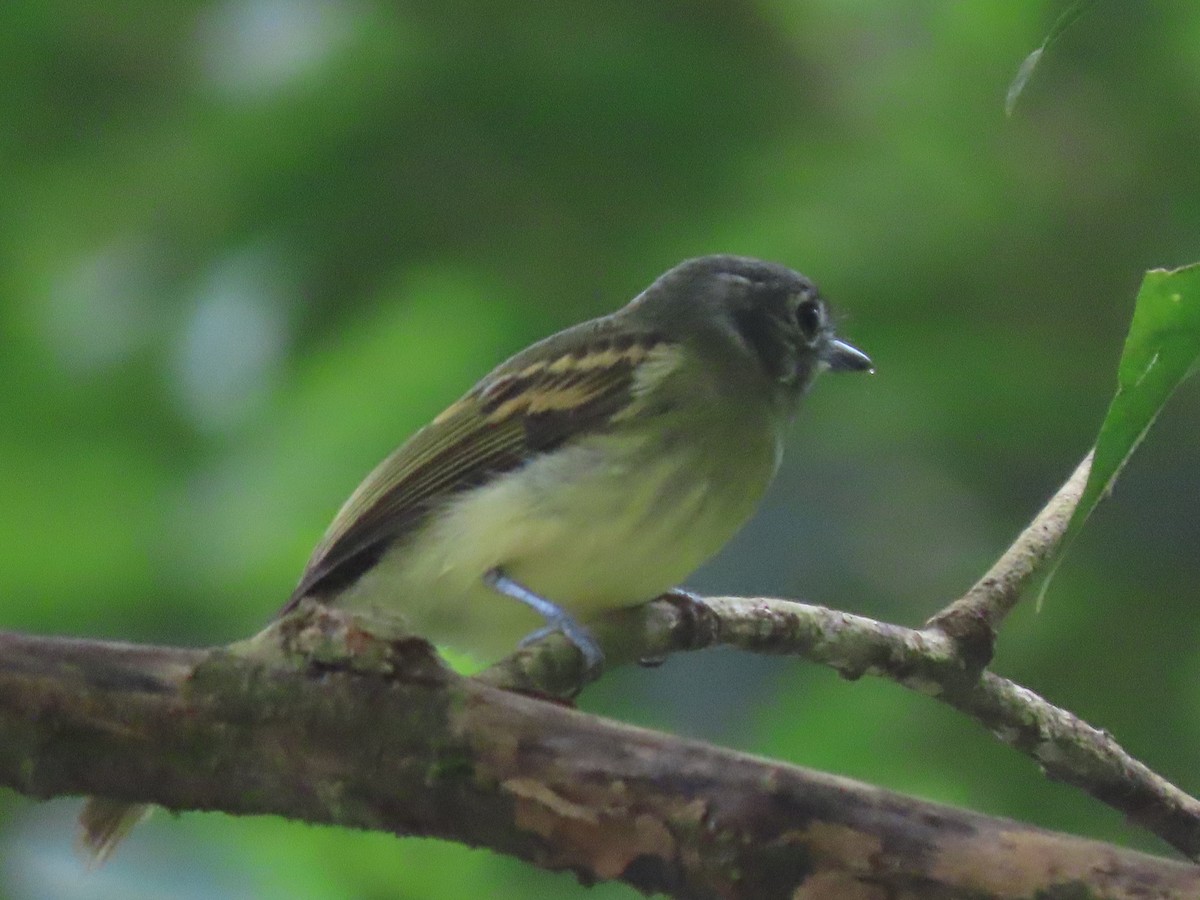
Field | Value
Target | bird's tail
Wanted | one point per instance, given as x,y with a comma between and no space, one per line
103,824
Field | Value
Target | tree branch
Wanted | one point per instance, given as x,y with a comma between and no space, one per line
458,759
435,754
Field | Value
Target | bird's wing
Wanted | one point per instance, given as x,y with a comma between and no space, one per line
525,408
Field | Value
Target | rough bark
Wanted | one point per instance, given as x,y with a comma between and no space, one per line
320,721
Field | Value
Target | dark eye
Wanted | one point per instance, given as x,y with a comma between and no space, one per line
808,319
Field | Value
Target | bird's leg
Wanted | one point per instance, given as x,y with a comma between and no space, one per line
557,618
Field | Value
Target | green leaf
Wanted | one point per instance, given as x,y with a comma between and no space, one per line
1161,350
1025,72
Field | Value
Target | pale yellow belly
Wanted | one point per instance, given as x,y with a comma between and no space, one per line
585,534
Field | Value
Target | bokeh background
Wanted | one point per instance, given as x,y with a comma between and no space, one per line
247,246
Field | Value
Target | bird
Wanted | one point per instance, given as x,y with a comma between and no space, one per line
592,471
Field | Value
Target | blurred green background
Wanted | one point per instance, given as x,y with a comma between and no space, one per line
248,246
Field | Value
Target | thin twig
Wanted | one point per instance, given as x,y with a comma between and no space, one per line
977,614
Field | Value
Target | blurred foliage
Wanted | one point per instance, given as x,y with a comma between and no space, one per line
1029,65
248,246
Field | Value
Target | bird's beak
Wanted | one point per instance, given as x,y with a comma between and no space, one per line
841,357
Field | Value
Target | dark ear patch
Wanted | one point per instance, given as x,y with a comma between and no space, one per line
765,337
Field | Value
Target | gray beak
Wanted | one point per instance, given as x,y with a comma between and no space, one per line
841,357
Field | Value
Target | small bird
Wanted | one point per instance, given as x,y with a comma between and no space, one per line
592,471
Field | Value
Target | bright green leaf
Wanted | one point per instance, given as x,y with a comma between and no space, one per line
1161,350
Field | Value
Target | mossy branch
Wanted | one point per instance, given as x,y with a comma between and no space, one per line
322,721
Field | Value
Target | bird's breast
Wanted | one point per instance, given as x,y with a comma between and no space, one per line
610,521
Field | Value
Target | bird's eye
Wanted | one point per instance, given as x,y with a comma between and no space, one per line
808,318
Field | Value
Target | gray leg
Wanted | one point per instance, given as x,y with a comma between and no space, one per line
557,618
